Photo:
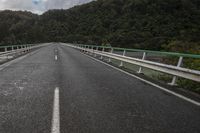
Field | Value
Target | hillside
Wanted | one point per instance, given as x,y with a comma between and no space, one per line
146,24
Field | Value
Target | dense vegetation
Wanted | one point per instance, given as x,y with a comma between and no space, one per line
146,24
170,25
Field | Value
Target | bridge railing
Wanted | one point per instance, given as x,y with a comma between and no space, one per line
9,52
153,60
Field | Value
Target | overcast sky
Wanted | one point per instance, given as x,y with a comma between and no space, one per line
39,6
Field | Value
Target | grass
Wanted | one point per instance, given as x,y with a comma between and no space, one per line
147,72
156,75
159,76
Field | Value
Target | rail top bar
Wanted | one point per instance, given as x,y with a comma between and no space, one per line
3,46
176,71
147,51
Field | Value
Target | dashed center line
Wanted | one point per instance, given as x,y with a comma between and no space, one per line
56,54
56,57
56,113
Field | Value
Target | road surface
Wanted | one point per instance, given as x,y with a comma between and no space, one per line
57,89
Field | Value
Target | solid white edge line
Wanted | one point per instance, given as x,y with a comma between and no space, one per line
56,113
148,82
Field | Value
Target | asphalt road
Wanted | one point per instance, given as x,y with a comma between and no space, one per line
91,98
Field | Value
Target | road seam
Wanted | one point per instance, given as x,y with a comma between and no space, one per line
148,82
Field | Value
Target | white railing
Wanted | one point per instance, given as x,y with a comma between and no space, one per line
176,71
8,52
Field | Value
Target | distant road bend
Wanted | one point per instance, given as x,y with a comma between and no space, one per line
58,89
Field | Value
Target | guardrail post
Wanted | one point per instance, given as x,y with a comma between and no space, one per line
21,47
84,49
103,49
25,48
178,65
12,48
81,48
143,58
95,55
122,63
109,60
87,48
5,49
29,48
92,50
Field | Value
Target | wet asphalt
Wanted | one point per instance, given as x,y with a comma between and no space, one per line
94,98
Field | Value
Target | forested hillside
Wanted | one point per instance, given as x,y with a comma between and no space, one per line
147,24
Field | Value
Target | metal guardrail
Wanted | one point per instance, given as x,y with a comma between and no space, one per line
8,52
176,71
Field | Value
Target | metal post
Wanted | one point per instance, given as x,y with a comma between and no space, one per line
87,48
102,52
5,49
22,47
178,65
95,55
17,50
143,58
25,48
122,63
109,60
92,50
12,48
84,49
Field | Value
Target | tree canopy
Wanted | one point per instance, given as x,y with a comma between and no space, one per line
144,24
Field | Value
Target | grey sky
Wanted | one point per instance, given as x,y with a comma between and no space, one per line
39,6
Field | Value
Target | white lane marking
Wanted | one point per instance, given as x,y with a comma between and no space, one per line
148,82
56,113
56,57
